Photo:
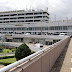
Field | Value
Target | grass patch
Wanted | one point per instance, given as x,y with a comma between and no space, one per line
6,57
7,61
7,51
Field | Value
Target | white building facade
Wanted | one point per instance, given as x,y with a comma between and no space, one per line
33,22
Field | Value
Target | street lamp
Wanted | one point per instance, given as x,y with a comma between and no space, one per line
41,25
3,39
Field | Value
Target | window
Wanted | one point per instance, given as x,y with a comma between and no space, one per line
18,28
46,28
28,17
24,28
56,28
64,27
29,13
38,17
38,13
69,27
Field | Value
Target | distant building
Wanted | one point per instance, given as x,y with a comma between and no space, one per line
21,16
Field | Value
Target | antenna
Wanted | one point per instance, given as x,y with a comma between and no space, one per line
47,8
55,17
26,8
30,8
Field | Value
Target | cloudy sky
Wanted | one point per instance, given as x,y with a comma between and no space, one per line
62,9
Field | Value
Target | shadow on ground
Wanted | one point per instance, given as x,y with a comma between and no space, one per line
58,64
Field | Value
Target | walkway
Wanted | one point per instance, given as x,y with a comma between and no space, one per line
63,63
7,54
1,66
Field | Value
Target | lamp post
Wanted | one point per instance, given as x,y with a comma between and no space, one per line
3,39
41,25
2,35
12,35
27,29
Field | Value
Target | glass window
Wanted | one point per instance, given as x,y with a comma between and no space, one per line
64,27
69,27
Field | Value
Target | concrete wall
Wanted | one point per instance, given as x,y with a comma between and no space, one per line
44,61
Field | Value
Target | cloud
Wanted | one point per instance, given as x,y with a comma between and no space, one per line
60,8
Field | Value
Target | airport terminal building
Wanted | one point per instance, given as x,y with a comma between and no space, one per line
33,22
22,21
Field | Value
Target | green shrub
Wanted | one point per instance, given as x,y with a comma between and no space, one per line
7,51
3,63
12,50
9,48
32,52
22,51
1,48
5,57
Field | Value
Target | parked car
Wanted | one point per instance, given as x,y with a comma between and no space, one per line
62,34
27,34
56,33
38,45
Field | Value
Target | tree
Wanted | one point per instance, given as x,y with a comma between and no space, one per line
1,48
22,51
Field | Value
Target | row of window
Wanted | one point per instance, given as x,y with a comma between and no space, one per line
24,17
39,28
22,21
25,14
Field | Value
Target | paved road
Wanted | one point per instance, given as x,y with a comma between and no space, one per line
15,44
7,54
35,49
1,66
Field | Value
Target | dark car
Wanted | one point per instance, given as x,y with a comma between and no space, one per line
56,33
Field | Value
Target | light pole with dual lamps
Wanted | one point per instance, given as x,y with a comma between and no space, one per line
3,39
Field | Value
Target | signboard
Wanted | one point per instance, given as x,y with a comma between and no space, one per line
8,35
19,25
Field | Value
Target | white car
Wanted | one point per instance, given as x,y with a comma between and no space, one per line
27,34
38,45
62,34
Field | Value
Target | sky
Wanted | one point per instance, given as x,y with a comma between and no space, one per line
59,9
